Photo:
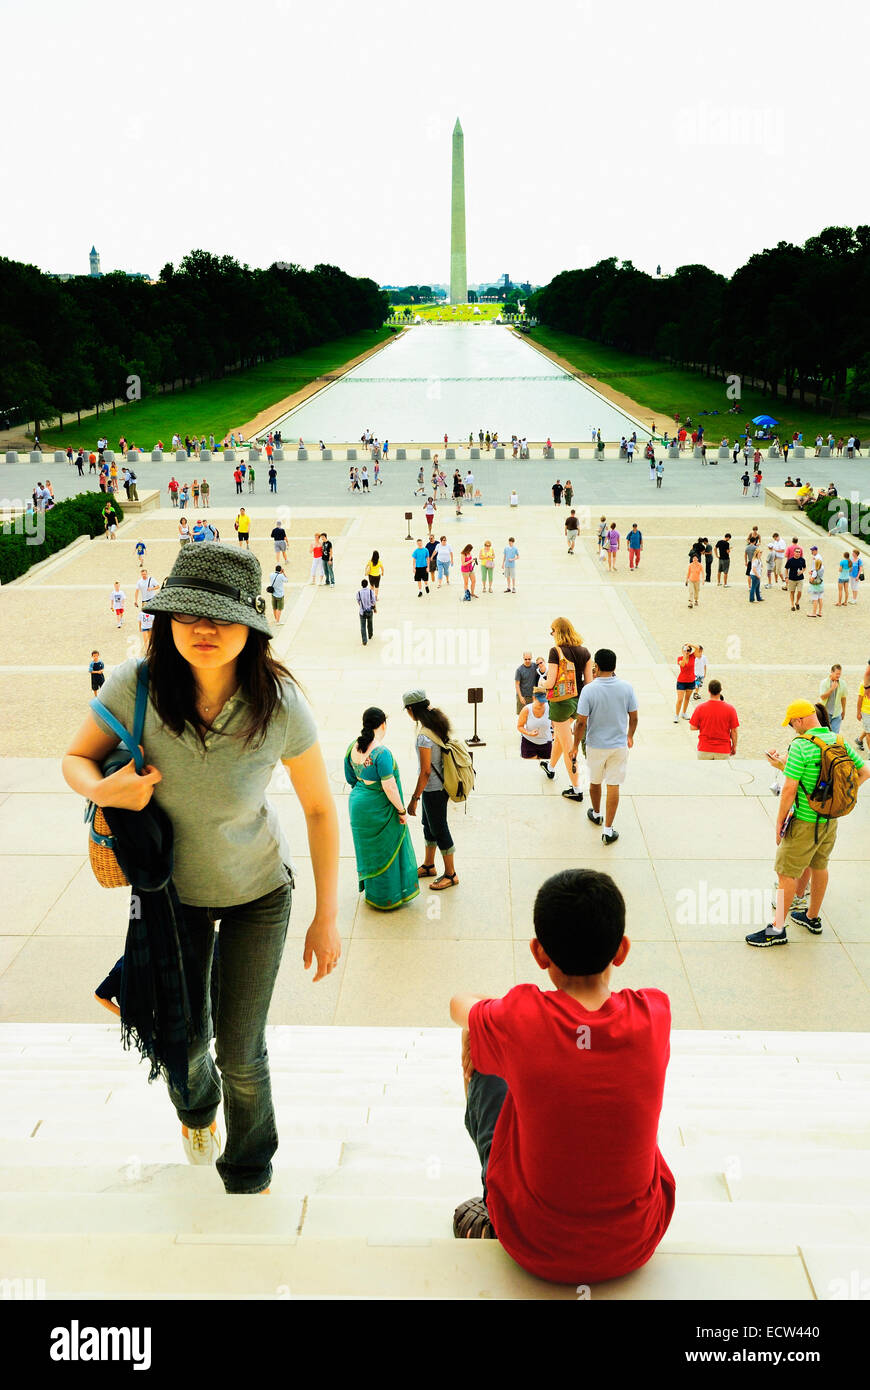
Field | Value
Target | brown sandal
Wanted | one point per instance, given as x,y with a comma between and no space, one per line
426,871
445,881
471,1221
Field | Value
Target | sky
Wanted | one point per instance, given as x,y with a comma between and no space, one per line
665,134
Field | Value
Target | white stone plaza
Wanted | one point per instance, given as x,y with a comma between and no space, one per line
771,1060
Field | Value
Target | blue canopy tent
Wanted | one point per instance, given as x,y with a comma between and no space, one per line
764,420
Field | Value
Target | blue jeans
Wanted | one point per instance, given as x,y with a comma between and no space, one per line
836,721
486,1096
443,569
755,589
328,571
251,945
435,828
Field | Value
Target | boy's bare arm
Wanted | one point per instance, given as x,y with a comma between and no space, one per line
461,1005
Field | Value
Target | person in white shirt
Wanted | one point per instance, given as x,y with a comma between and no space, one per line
145,587
700,672
118,602
514,499
443,560
779,549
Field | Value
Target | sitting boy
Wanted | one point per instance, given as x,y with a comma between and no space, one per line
564,1091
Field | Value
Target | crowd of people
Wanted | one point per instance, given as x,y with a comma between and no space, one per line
208,637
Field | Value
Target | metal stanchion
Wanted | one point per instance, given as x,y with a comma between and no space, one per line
475,698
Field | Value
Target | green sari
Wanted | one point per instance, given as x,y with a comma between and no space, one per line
385,859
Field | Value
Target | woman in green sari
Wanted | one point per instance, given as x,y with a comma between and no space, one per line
385,860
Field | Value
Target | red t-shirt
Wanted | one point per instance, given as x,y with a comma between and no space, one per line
577,1189
714,720
686,672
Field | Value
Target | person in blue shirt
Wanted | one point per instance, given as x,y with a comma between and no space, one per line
420,561
140,550
95,669
276,584
509,565
198,531
365,599
635,546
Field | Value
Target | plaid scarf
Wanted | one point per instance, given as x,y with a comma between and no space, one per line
160,996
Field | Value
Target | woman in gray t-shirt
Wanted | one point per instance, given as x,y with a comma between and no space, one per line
221,713
433,730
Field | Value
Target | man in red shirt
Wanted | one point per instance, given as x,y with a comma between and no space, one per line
564,1091
717,725
173,490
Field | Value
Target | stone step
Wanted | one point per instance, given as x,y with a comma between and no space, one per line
99,1266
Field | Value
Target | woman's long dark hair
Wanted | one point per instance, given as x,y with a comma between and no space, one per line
375,560
173,688
435,720
372,719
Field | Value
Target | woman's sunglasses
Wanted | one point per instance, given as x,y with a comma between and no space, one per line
188,619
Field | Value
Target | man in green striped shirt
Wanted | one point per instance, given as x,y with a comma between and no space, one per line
805,847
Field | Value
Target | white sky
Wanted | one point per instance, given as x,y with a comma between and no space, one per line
670,131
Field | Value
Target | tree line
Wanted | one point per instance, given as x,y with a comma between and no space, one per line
68,346
789,322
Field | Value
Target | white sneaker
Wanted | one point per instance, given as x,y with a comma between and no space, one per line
202,1146
687,716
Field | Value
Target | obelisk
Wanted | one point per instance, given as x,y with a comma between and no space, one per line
458,272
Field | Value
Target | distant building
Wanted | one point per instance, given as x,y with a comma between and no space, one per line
95,262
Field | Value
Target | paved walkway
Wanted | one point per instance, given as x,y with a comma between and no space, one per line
687,482
696,839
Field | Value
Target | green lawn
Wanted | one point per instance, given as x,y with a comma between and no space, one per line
665,390
444,312
214,407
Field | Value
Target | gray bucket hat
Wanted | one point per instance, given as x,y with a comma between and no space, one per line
212,580
415,697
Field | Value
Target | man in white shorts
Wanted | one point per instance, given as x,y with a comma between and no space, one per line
607,719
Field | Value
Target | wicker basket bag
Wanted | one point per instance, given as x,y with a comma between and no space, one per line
101,842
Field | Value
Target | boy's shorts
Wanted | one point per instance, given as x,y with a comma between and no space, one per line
799,849
97,680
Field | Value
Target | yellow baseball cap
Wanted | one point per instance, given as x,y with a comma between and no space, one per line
798,709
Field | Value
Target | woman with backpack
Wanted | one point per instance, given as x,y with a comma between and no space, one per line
378,818
221,712
433,732
569,668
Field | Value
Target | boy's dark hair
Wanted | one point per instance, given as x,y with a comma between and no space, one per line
95,652
715,688
605,659
579,918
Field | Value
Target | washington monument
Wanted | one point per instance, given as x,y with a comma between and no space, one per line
458,272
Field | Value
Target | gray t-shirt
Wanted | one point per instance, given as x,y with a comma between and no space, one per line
229,847
607,703
436,776
528,677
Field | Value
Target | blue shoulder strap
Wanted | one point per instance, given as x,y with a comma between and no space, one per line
131,741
